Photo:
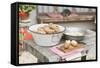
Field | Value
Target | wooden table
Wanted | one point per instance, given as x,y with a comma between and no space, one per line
45,55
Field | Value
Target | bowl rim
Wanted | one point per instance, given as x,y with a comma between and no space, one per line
74,27
46,34
74,35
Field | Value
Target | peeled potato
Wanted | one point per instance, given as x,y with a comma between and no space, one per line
74,43
50,24
54,27
57,29
70,47
66,46
67,42
41,30
48,30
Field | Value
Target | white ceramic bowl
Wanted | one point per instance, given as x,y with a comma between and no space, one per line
74,33
46,39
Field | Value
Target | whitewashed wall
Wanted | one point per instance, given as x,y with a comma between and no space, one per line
60,9
33,16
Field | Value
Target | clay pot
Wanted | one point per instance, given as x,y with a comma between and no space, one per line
23,16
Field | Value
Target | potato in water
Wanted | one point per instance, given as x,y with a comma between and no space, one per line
49,29
41,30
54,27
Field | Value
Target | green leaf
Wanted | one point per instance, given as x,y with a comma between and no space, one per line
26,8
29,11
21,36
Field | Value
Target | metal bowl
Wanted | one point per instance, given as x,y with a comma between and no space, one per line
74,33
